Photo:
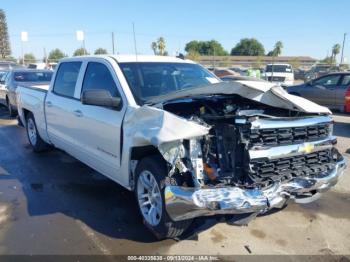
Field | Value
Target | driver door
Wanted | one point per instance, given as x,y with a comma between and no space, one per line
322,90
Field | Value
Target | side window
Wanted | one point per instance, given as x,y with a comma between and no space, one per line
98,76
66,78
328,80
346,80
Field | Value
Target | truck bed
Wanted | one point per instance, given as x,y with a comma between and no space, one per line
31,98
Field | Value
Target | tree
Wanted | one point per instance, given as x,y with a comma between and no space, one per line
193,55
55,55
29,58
211,47
335,52
80,52
158,47
161,45
100,51
248,47
327,60
154,47
5,49
277,50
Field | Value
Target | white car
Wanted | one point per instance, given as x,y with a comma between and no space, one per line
186,143
282,74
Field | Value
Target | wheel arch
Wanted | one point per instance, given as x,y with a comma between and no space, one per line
136,155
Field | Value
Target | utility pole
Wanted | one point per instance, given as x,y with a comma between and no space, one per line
342,50
135,45
113,43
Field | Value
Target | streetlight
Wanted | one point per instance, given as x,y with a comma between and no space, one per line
24,38
80,37
342,50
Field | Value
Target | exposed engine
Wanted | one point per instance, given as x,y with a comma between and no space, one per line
230,152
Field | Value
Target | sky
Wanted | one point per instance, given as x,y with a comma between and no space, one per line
306,28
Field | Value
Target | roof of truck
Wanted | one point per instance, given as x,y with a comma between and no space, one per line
134,58
149,58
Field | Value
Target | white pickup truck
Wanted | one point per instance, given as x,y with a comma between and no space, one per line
188,144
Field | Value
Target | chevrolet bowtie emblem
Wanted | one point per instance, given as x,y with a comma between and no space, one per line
306,148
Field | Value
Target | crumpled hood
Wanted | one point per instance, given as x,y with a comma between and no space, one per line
260,91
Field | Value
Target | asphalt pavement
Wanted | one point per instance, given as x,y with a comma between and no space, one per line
51,203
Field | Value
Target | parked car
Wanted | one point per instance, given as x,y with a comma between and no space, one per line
186,143
279,73
332,91
17,77
319,70
6,65
299,74
3,74
224,72
239,78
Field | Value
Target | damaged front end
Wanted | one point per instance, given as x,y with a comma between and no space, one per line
251,161
237,153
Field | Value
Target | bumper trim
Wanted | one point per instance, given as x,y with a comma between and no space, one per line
185,203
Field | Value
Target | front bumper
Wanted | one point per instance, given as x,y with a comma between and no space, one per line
185,203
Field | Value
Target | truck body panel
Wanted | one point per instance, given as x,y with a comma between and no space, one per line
244,139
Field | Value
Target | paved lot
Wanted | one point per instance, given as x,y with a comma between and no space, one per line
52,204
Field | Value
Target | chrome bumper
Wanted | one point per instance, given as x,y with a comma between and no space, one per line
184,203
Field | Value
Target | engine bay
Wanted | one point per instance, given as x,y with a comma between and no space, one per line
225,150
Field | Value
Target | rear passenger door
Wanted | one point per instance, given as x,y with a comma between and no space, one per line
98,128
60,105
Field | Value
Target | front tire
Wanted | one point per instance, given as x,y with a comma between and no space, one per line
37,143
150,184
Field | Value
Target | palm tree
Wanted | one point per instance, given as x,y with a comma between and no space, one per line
278,48
335,52
154,47
161,45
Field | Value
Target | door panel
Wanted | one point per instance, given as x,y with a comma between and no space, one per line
59,106
98,129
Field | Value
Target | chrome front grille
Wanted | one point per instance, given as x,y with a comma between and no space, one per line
265,172
288,135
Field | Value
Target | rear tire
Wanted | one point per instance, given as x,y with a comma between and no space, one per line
151,181
37,143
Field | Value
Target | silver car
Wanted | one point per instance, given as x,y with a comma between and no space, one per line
328,90
15,77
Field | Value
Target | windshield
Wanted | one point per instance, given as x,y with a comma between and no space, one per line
148,80
279,68
33,76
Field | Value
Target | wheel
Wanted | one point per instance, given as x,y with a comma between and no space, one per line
34,138
10,109
150,184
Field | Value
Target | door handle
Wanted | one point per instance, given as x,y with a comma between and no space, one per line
49,104
78,113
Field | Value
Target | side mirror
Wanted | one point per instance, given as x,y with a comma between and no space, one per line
100,97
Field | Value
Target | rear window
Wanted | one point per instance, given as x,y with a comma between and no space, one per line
279,68
66,78
32,76
346,80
